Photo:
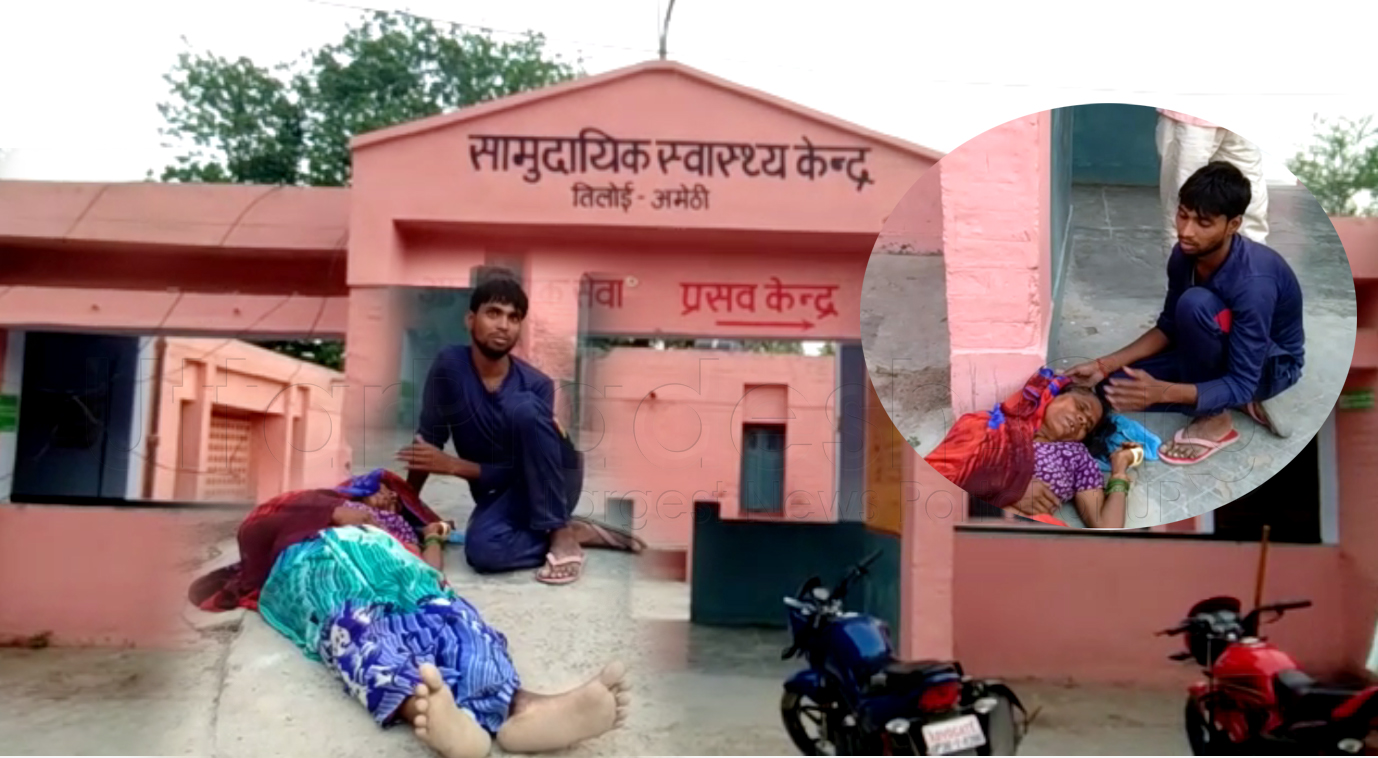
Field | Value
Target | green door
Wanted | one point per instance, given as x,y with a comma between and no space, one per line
763,468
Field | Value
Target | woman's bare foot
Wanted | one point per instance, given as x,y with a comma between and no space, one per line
541,724
440,723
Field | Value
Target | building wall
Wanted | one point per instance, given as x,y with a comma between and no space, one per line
664,429
92,576
915,226
996,239
294,408
1085,608
86,575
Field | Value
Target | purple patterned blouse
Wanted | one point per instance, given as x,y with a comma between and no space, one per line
392,523
1067,468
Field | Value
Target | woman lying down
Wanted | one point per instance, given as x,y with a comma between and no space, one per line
1039,449
347,576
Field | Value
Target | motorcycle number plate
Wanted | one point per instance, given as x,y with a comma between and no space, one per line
953,735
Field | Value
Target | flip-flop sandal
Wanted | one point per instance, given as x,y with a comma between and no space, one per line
1047,519
551,562
1258,411
1212,447
631,543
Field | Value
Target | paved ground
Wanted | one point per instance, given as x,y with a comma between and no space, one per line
202,702
1114,291
904,335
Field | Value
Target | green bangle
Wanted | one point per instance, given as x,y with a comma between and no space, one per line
1117,485
431,541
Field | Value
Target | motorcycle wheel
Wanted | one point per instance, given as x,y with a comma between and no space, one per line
800,713
1202,735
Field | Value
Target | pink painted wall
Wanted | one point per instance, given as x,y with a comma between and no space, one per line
424,174
92,576
296,409
664,429
424,213
1356,440
996,248
915,226
932,507
1085,608
147,312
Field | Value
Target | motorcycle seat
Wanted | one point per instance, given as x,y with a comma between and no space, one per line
909,674
1301,698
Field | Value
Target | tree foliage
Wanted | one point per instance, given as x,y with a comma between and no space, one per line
1340,167
236,121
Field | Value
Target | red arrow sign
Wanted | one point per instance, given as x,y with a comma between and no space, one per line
805,325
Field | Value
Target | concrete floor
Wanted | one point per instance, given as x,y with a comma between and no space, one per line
1113,292
707,692
905,339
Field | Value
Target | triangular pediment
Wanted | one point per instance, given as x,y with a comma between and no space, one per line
691,93
658,145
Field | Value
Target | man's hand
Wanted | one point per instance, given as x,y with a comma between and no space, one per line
1137,392
439,529
1038,500
1087,374
423,456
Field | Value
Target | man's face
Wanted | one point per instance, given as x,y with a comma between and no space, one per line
1200,235
495,329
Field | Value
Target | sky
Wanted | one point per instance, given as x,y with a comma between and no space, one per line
80,82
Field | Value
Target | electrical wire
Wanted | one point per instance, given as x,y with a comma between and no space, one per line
801,67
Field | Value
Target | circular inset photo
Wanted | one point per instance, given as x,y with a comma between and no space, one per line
1114,316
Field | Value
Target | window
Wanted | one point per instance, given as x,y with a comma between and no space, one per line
763,468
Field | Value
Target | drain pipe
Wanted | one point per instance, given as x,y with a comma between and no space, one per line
155,414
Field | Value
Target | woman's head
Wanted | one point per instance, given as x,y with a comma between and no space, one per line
1075,415
371,490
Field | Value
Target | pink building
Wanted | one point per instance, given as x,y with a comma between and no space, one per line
623,220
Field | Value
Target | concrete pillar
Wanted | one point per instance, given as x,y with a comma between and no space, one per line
996,240
373,346
550,336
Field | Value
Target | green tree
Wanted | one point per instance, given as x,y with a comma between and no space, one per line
1340,167
290,124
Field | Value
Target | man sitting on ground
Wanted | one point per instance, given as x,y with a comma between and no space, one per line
1230,333
525,475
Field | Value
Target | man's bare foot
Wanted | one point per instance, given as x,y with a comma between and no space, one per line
565,562
440,723
1259,412
541,724
593,534
1212,429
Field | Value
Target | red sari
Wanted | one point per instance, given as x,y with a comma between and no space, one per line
990,455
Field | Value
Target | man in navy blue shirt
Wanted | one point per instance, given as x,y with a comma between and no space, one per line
525,476
1229,336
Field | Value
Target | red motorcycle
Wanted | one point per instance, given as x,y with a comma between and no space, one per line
1256,699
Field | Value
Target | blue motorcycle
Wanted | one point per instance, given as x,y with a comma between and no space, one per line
855,698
